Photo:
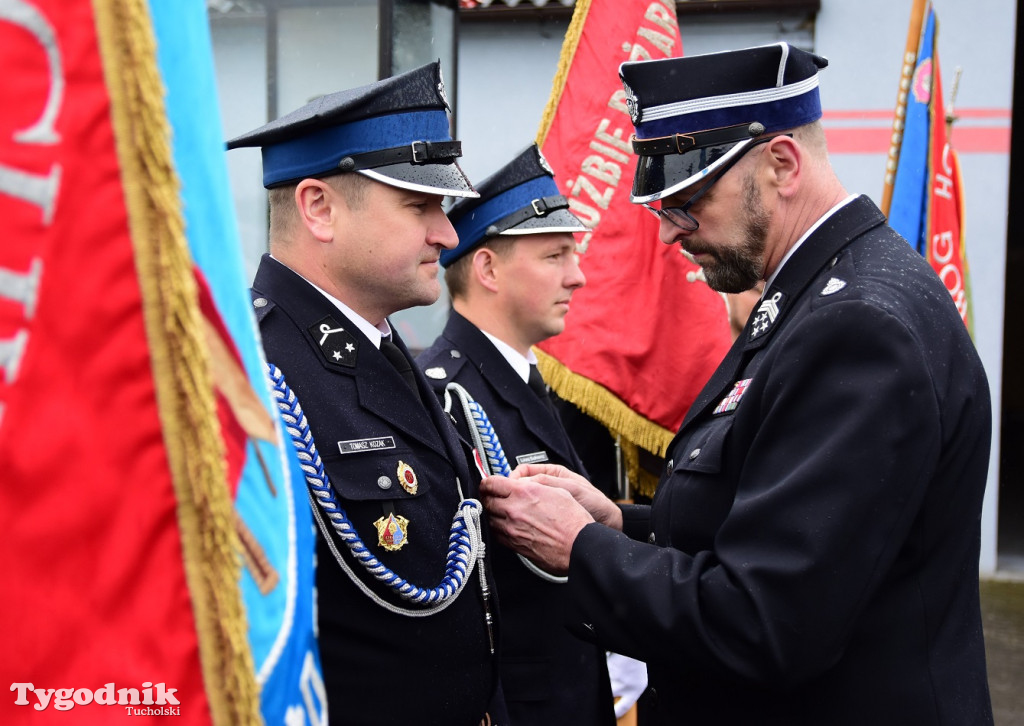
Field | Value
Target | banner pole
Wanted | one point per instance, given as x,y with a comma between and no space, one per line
906,75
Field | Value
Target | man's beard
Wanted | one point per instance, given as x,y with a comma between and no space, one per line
737,269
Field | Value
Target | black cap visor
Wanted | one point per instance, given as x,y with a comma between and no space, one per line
661,175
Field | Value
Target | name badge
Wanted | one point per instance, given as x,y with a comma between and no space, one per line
374,443
534,458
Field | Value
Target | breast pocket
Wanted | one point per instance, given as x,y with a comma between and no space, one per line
394,473
704,452
699,489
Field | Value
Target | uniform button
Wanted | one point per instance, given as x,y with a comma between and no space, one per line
384,482
260,302
651,539
694,454
456,354
670,465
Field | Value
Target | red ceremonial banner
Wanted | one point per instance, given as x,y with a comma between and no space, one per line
646,332
120,596
945,241
923,191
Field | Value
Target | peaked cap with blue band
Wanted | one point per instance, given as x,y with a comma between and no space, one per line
693,114
520,198
395,131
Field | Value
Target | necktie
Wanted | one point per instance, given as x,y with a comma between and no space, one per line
401,363
537,385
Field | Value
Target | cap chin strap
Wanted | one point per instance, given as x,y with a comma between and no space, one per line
418,152
681,143
537,208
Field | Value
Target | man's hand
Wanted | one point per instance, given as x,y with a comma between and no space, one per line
539,522
600,507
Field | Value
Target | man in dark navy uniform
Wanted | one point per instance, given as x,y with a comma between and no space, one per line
356,182
511,280
811,554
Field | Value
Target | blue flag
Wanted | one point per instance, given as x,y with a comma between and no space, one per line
908,214
273,516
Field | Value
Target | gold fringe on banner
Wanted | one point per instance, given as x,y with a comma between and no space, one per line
601,404
569,45
184,385
641,481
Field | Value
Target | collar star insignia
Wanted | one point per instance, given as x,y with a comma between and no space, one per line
338,346
766,314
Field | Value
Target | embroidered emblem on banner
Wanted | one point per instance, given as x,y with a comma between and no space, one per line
730,402
337,344
833,286
766,314
534,458
407,478
392,532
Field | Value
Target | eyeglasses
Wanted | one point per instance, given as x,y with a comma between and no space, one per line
680,216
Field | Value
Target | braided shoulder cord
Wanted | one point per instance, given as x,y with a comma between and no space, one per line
465,544
485,439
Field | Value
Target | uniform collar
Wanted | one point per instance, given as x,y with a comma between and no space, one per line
521,365
803,238
372,332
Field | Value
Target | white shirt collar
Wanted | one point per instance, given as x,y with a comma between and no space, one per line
371,331
515,359
807,234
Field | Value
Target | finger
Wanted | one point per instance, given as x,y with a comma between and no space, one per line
496,486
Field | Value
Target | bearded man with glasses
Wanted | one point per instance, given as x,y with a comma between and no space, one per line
811,554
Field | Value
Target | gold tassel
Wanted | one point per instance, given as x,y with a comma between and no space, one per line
181,367
569,45
604,406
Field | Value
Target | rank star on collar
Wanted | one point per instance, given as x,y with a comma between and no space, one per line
337,344
766,314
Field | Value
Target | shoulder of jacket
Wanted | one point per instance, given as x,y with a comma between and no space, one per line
261,304
441,364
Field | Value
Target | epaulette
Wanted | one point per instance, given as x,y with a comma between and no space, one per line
261,305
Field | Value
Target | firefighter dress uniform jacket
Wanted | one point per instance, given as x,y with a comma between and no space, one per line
384,454
811,554
548,675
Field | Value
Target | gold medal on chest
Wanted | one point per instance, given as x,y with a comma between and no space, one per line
407,478
392,532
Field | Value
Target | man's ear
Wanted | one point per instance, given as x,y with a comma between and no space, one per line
316,203
485,268
785,161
